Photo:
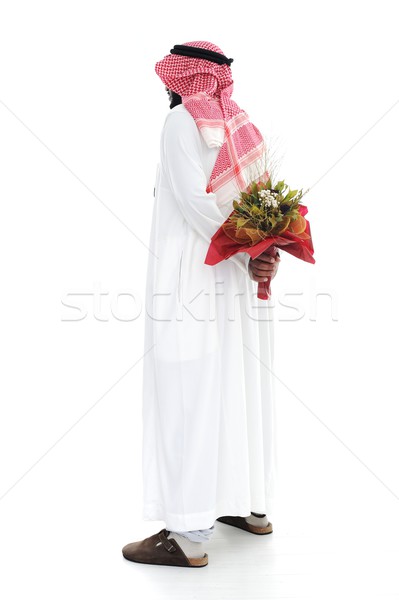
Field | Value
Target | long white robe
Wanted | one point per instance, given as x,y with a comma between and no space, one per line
208,395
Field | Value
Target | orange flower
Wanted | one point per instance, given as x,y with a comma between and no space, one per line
298,226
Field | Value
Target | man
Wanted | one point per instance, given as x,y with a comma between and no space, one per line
208,403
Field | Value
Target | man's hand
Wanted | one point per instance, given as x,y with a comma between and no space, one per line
263,267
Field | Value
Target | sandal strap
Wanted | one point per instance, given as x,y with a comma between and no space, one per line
166,543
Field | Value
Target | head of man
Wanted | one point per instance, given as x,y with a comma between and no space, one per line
196,67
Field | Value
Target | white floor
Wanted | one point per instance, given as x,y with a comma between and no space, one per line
63,525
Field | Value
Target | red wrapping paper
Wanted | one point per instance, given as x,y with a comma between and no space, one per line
222,247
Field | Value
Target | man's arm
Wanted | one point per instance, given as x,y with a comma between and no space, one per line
181,155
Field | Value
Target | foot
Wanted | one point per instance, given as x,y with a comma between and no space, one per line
259,525
257,519
190,549
159,550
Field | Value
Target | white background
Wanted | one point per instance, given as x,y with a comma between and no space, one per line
81,110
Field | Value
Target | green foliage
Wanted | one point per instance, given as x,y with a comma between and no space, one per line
251,210
241,221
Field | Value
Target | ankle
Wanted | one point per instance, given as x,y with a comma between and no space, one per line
190,549
257,519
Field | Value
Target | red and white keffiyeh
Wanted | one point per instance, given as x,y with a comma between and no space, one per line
206,88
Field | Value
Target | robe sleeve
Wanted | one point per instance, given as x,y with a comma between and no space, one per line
181,157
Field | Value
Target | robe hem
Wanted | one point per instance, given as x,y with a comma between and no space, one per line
195,521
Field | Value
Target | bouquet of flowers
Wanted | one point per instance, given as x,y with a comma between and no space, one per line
265,217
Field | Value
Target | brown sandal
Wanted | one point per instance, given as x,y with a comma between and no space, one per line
159,550
241,523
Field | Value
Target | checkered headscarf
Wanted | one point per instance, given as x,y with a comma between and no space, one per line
206,88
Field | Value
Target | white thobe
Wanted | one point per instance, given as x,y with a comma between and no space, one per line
208,396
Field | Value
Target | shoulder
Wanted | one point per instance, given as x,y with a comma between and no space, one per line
180,117
180,126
